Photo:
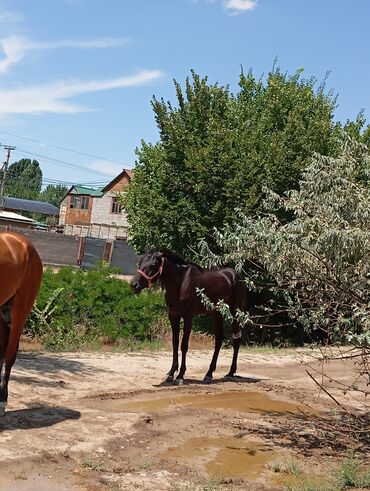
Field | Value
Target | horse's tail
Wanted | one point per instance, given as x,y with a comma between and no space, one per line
241,294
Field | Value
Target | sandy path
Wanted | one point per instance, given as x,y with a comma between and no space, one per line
61,426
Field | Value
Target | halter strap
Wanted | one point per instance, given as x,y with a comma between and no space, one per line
151,279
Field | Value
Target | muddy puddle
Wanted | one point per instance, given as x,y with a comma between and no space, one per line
237,401
224,456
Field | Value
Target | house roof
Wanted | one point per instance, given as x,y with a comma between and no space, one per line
30,206
9,215
129,173
86,190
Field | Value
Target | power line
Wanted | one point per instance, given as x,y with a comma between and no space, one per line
100,181
62,148
71,183
62,163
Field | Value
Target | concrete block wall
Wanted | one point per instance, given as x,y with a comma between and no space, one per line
101,212
53,248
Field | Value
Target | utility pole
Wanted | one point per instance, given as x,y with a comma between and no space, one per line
4,170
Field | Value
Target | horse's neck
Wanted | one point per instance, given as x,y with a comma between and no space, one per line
172,277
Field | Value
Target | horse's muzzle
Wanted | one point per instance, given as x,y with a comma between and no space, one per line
136,287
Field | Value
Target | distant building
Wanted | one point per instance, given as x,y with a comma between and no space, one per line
96,212
31,206
11,219
76,206
9,208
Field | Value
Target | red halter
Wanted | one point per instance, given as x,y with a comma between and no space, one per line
156,275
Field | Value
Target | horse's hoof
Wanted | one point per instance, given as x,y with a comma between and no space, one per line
208,379
229,377
178,381
2,408
169,378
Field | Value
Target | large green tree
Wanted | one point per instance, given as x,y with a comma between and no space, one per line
24,179
217,150
53,193
321,258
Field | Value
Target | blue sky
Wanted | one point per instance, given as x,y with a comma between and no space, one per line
80,74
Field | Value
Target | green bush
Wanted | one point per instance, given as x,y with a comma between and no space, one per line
74,308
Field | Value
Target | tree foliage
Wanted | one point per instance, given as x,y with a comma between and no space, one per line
321,258
75,307
217,150
53,193
24,179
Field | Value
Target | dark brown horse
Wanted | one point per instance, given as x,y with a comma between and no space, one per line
180,280
21,272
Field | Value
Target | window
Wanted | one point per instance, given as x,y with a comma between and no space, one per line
84,202
116,206
79,202
73,201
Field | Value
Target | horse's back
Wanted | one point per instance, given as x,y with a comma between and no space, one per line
217,284
19,263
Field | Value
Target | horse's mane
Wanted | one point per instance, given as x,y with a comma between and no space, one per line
172,256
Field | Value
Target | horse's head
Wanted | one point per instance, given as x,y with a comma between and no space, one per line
149,270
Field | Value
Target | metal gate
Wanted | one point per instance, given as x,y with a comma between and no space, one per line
93,252
124,257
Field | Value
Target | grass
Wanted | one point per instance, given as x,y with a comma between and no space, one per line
293,469
94,464
147,464
350,474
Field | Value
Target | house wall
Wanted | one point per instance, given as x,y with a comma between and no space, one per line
55,249
15,223
97,230
76,216
101,209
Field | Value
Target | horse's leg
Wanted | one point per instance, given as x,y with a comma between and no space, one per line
179,380
11,354
18,316
175,325
219,336
20,308
237,335
4,338
240,293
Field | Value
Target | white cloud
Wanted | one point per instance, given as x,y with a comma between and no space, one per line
9,17
50,98
76,44
15,48
107,168
238,6
14,51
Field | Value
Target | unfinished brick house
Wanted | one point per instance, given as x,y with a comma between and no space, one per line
96,212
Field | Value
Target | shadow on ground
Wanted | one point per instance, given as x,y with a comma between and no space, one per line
216,381
36,417
48,363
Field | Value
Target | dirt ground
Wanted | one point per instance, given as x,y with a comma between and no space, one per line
108,421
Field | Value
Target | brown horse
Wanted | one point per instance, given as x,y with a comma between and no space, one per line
180,279
21,272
